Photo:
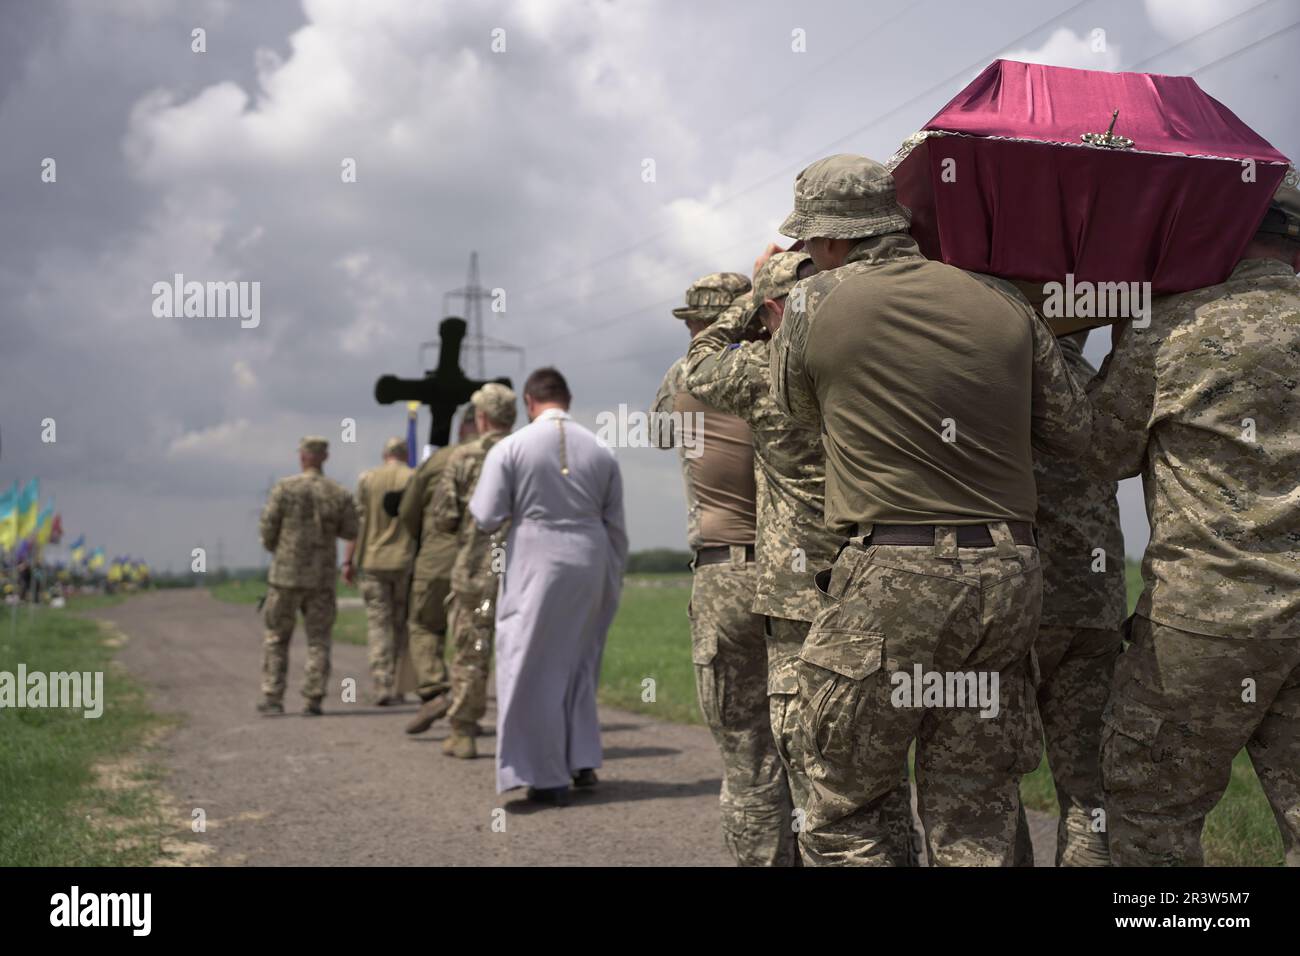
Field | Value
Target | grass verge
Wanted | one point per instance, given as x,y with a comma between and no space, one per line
75,791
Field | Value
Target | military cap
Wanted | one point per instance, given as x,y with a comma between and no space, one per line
845,197
1283,216
314,445
496,402
708,296
778,275
395,448
746,304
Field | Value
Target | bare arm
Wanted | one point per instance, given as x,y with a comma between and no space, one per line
719,367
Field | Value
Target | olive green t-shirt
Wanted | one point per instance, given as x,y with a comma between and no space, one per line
928,384
717,459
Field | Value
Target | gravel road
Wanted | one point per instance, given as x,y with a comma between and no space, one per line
351,789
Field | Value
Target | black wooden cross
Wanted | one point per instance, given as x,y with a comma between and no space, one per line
443,389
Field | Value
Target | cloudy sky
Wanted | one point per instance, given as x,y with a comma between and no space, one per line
226,165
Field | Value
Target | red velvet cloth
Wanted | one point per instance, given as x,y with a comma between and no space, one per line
1032,209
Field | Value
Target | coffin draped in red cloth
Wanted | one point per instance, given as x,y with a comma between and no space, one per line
1024,198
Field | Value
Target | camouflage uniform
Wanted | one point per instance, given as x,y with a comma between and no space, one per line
793,541
1079,637
302,518
474,576
1203,403
896,607
383,558
431,574
729,647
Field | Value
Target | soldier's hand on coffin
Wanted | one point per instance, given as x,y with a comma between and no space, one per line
771,250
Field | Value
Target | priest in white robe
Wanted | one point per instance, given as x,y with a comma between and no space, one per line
565,554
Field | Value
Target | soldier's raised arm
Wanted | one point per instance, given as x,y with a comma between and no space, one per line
1062,415
715,362
792,388
1122,395
272,516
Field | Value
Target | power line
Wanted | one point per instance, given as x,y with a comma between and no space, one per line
783,170
1192,39
1250,46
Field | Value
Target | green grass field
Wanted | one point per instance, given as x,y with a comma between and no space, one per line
67,795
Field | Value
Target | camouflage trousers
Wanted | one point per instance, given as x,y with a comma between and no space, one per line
385,594
1075,669
963,617
428,635
729,650
471,621
784,641
280,613
1181,708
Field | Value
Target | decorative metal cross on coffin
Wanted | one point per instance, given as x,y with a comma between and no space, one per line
443,389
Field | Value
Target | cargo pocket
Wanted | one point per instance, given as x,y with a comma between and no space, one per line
1024,725
271,610
704,648
1130,742
835,674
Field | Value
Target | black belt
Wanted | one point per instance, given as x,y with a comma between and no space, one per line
968,535
720,555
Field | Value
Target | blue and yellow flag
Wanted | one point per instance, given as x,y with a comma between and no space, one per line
79,550
45,524
28,508
97,559
412,415
9,517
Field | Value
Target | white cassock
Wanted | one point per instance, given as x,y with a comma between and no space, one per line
564,565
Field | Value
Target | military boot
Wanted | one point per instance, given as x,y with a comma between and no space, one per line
431,710
268,707
460,745
312,707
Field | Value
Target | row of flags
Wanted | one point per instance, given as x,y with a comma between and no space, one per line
26,526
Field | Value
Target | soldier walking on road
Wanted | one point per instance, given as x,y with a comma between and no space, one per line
1203,403
727,369
1080,632
729,646
471,617
303,517
382,554
927,386
430,585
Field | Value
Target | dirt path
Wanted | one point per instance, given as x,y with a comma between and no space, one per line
351,789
